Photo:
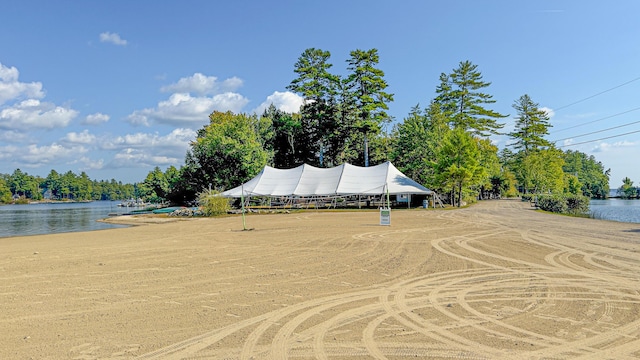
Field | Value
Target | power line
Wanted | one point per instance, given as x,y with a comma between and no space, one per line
598,94
593,121
599,131
604,138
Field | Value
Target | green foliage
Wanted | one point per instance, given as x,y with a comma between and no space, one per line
24,185
155,187
68,187
287,131
594,179
564,204
552,203
226,153
212,204
461,99
572,185
532,124
317,132
627,190
416,142
365,85
5,192
577,204
540,171
458,166
342,119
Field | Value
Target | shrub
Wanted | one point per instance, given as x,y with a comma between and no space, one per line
212,203
571,204
577,204
553,203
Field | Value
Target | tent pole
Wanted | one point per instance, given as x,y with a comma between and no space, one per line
388,202
244,222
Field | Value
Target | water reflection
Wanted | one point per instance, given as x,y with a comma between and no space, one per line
17,220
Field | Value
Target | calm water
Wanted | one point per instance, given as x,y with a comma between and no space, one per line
32,219
616,210
18,220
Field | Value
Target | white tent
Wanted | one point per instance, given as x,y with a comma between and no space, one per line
344,180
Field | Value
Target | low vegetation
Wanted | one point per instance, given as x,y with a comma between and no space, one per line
212,204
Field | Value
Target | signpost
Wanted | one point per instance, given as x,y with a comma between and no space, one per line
385,216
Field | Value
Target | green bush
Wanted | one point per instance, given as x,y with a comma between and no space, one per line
552,203
564,204
577,204
212,203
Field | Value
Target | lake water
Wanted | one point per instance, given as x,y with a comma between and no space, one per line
33,219
616,210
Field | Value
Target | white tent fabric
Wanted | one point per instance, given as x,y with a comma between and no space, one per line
346,179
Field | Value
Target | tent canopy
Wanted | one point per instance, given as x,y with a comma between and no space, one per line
343,180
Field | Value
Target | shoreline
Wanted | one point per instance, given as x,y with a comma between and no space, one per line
495,280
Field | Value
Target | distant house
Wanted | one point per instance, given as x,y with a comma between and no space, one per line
48,194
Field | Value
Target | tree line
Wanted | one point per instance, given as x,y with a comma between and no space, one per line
22,187
444,146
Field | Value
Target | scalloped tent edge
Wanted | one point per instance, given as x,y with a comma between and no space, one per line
344,180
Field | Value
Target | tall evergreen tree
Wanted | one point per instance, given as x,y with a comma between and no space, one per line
462,100
532,124
364,88
320,121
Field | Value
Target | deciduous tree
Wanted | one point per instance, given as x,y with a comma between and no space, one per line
225,153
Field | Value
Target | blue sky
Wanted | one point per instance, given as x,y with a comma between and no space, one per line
115,88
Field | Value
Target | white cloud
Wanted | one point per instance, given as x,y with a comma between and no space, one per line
284,101
137,158
12,89
90,164
178,138
33,155
12,136
184,110
7,152
604,146
549,111
95,119
203,85
84,138
149,150
33,114
113,38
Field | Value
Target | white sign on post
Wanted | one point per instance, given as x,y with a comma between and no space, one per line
385,216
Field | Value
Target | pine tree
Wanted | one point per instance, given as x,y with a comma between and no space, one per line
461,99
531,125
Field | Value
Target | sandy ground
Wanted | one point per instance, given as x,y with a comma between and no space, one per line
495,281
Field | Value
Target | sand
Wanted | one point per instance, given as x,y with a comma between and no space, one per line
497,280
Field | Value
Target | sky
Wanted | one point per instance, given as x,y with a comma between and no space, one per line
116,88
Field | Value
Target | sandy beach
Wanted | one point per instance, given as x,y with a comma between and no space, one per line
497,280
